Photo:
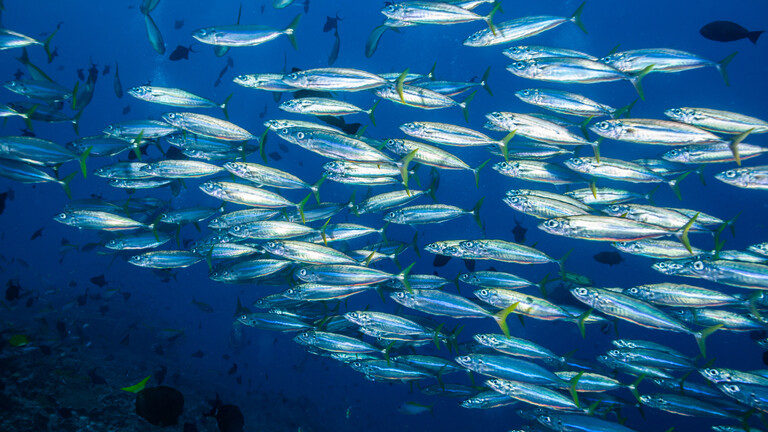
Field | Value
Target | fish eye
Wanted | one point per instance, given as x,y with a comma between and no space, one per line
504,165
391,215
483,292
303,272
581,291
271,244
284,131
390,8
300,135
293,76
634,290
518,65
677,112
731,388
526,92
62,216
243,317
730,173
603,125
400,295
475,36
698,265
551,223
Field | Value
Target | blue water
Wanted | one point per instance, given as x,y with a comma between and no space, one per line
106,33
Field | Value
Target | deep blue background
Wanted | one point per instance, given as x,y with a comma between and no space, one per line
110,32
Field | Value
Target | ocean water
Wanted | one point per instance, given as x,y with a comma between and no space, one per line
274,381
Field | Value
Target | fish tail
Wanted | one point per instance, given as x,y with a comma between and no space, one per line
74,95
27,117
476,172
433,185
404,162
403,277
399,84
561,262
431,73
625,110
65,184
504,145
47,46
583,319
464,105
721,65
583,126
596,149
636,80
76,121
633,387
701,336
476,211
501,317
649,195
301,204
322,231
415,244
572,388
734,145
263,145
436,338
682,233
138,386
754,35
83,158
290,30
370,111
484,81
315,188
382,233
675,182
576,19
489,18
224,104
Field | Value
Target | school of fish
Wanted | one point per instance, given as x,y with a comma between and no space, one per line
264,233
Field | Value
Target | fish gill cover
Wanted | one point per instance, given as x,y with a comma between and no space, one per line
382,185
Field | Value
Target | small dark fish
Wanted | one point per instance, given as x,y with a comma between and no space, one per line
117,85
608,257
221,74
105,70
229,418
126,109
99,280
230,62
225,356
275,156
28,133
18,74
61,327
103,309
263,113
12,290
126,296
159,374
178,24
469,264
233,369
727,31
96,378
440,260
198,354
181,53
81,74
93,72
30,302
283,148
335,49
89,246
125,340
82,299
331,23
37,233
519,232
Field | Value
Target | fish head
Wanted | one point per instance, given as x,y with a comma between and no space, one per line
509,169
66,218
413,129
488,295
587,296
469,278
335,166
683,115
524,68
237,230
139,260
307,338
653,401
296,79
640,292
716,375
521,52
293,106
396,146
730,389
356,317
498,119
628,247
295,293
141,92
519,203
617,210
396,216
480,38
760,249
680,154
557,226
237,168
210,187
113,130
612,129
116,244
616,60
296,136
173,118
485,339
669,268
550,421
531,95
465,361
394,11
245,319
207,35
403,297
475,247
248,80
699,267
737,177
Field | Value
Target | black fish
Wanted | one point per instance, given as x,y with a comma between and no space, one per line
117,85
37,234
440,260
27,132
229,418
82,299
160,406
198,354
126,109
81,74
519,232
181,53
30,302
105,70
18,74
126,296
12,290
233,369
96,378
331,23
178,24
726,31
93,72
3,197
608,257
99,280
54,54
335,50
